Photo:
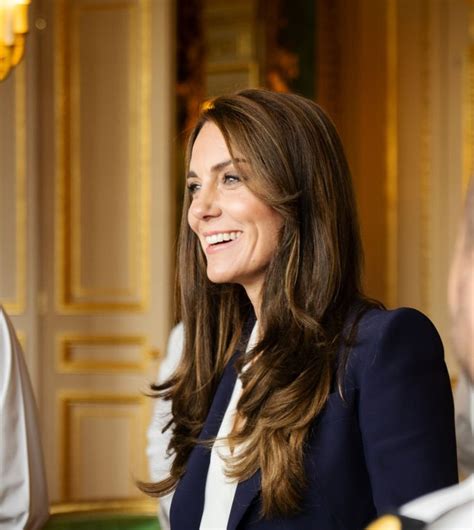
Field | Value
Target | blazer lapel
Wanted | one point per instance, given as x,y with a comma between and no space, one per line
188,499
246,492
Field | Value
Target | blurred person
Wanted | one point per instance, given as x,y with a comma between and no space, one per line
461,305
297,402
464,418
23,492
158,436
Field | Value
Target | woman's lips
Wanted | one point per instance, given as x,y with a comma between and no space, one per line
217,247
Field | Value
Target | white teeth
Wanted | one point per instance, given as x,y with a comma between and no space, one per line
221,237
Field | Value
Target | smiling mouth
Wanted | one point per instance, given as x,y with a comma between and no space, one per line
222,237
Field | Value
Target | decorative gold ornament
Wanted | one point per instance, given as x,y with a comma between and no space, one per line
386,522
13,30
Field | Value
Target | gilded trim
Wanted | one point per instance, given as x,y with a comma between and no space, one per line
425,155
17,305
72,295
129,506
391,189
67,448
62,195
144,163
74,128
67,364
102,413
468,105
21,336
78,290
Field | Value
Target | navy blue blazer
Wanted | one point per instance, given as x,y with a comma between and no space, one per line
389,441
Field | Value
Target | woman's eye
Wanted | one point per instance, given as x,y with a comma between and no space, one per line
231,179
193,187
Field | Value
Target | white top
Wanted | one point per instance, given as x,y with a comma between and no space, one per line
455,503
220,490
159,462
23,493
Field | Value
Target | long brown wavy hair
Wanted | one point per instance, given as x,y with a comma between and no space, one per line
312,285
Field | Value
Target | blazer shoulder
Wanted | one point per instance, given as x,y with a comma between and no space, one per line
382,318
385,335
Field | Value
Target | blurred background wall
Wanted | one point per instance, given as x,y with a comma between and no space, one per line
92,128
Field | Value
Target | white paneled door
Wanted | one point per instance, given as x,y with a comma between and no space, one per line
86,133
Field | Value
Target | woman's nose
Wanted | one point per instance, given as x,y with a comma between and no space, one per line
205,204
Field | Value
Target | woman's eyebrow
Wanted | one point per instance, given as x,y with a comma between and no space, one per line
219,166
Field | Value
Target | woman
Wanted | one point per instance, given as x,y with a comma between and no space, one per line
326,415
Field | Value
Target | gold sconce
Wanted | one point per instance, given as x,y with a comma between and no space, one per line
13,30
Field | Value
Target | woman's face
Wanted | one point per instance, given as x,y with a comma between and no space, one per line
237,231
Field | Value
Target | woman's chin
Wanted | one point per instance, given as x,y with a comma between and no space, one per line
217,275
220,278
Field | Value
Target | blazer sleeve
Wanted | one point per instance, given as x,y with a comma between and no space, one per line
406,411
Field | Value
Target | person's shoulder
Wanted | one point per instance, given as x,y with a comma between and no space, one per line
173,352
176,338
8,340
378,323
399,334
378,316
4,320
436,506
462,516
